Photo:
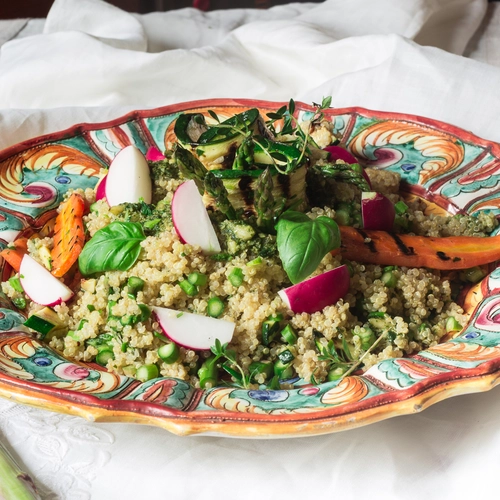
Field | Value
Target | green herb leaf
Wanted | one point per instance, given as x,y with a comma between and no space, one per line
230,354
281,111
345,347
235,374
145,208
218,349
303,242
213,115
327,102
115,247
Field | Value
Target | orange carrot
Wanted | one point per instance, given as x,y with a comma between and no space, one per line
389,249
15,253
69,236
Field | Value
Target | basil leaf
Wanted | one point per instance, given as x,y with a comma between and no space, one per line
115,247
303,242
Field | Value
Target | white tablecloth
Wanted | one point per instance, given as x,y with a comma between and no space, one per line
91,62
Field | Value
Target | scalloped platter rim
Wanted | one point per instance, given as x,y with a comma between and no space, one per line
454,170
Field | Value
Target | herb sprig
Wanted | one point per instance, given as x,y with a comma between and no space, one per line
231,366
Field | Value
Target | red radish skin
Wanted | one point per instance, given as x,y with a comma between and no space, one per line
154,154
191,220
100,189
193,331
377,211
40,286
340,153
314,294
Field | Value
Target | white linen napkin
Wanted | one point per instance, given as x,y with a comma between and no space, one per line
104,21
346,49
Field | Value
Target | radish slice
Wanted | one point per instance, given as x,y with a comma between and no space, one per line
128,178
40,286
154,154
377,211
193,331
191,220
100,189
9,235
340,153
314,294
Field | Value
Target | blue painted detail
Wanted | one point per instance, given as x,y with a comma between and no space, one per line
100,135
338,124
472,335
42,361
268,395
408,167
63,179
291,380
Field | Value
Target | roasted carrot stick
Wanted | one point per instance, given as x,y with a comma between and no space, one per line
14,254
452,252
69,236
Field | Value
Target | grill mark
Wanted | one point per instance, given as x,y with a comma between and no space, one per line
245,186
284,182
229,158
443,256
370,244
406,250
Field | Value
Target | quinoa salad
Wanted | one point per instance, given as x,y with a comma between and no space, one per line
254,251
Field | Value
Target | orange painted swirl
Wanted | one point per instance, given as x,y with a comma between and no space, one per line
349,390
444,151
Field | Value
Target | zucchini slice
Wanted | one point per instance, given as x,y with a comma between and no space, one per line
284,156
44,322
224,139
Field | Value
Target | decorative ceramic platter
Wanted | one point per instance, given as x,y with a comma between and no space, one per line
451,168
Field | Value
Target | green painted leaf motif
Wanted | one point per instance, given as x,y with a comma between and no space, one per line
115,247
303,242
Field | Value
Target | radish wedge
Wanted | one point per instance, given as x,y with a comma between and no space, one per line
128,179
340,153
193,331
377,211
100,189
191,220
154,154
40,286
314,294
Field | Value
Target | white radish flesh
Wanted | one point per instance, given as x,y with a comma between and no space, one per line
40,286
191,220
128,179
193,331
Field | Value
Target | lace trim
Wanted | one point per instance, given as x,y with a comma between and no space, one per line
61,453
